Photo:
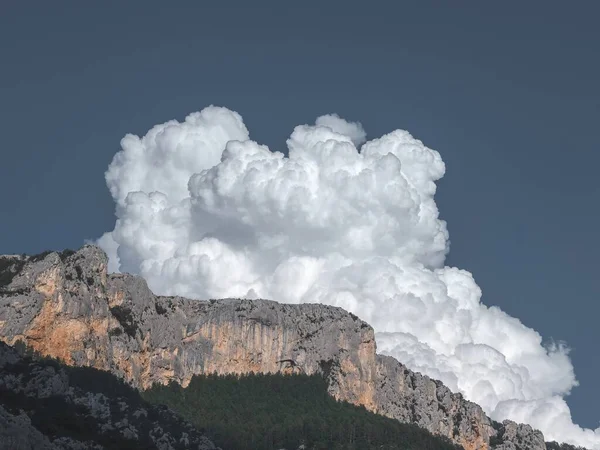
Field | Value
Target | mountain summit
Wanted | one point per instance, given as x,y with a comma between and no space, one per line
65,305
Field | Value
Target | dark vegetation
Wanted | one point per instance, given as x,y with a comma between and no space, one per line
497,440
124,316
9,267
556,446
58,416
160,309
65,254
250,412
85,378
277,411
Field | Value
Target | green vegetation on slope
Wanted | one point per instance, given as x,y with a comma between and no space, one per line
262,412
86,405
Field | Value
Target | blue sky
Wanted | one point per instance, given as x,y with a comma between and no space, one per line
508,94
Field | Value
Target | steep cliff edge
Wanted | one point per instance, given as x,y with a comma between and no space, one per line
65,305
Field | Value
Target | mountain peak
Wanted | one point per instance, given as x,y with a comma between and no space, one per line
66,306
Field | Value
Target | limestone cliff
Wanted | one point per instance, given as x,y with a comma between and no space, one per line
66,306
50,406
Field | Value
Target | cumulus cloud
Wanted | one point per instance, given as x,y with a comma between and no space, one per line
205,212
353,130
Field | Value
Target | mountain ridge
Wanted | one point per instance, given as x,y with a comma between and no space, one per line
67,306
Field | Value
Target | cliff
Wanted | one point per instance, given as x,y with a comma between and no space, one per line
44,405
65,305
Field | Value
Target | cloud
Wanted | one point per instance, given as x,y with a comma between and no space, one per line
353,130
205,212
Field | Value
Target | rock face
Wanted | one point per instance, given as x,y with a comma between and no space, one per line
66,306
513,436
43,406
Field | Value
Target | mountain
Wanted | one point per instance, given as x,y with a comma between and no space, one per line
66,306
45,405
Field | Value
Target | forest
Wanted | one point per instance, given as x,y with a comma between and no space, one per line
275,411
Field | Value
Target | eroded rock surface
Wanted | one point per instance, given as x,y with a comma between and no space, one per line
44,405
66,306
513,436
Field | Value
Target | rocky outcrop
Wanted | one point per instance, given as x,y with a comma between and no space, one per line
17,433
513,436
66,306
44,405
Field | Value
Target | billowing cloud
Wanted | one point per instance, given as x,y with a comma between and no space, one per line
205,212
353,130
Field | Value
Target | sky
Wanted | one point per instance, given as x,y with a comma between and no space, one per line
507,94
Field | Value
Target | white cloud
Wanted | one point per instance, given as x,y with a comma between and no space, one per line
205,212
353,130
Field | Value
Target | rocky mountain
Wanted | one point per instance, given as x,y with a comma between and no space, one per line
66,306
44,405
